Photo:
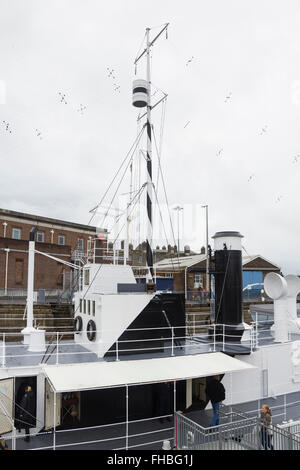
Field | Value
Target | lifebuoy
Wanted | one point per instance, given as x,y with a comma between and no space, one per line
91,330
77,324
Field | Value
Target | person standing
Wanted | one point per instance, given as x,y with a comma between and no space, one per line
27,410
215,392
266,431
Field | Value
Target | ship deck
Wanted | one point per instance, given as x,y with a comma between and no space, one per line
16,354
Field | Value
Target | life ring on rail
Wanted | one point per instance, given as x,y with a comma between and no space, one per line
77,324
91,330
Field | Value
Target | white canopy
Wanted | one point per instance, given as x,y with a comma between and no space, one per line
95,375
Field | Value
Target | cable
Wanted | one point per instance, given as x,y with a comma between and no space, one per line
129,153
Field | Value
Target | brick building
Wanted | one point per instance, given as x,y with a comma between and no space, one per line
62,239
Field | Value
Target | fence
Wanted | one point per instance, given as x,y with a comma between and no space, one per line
189,339
166,341
41,296
237,432
135,434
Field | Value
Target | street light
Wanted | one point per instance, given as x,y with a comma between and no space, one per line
207,260
178,209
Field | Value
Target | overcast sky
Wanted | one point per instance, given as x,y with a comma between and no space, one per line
231,137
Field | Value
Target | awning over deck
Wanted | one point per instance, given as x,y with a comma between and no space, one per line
95,375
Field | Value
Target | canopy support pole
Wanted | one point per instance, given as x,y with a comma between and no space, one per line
127,417
54,421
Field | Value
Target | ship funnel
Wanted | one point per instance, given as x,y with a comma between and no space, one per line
228,283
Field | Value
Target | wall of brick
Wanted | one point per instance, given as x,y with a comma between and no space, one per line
71,237
47,272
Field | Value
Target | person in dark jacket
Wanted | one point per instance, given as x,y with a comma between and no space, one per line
215,392
27,411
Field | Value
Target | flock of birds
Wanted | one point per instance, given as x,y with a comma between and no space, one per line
111,75
262,131
116,87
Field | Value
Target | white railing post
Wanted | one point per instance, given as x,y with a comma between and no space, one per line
3,351
117,351
172,354
54,421
57,348
127,417
13,440
256,330
285,407
214,337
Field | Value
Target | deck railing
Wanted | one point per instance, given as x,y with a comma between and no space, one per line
237,432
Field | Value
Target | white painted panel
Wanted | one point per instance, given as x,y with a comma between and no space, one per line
49,407
6,405
189,393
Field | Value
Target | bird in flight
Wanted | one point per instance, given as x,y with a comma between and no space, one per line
228,97
279,199
189,61
250,177
263,130
295,159
81,109
38,134
219,152
186,124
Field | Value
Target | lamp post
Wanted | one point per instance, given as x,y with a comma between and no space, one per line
178,209
207,260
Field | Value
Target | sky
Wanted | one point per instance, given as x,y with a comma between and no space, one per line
230,134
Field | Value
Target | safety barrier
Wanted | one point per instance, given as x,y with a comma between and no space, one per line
237,432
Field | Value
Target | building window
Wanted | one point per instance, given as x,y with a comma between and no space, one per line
40,237
16,233
94,307
61,239
88,307
170,275
84,306
80,244
80,305
198,280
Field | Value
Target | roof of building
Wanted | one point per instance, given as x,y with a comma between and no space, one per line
248,259
48,220
181,263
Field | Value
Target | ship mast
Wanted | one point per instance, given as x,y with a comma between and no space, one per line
141,98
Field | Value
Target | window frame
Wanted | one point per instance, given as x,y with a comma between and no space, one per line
58,238
43,237
20,233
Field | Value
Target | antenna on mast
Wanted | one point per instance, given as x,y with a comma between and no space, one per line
142,98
